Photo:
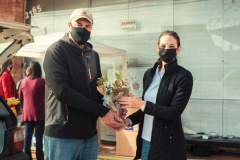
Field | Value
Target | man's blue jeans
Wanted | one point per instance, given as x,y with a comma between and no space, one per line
29,129
71,149
145,149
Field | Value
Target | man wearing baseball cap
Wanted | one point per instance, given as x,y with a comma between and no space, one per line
73,103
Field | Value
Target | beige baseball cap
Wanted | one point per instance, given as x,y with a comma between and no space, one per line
81,13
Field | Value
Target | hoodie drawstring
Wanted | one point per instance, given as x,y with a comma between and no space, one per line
89,68
89,71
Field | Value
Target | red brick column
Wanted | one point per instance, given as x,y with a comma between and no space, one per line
13,10
17,69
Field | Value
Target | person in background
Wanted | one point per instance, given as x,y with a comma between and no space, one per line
166,91
7,85
20,81
18,86
31,93
73,104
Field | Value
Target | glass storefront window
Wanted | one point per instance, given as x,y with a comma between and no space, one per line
209,32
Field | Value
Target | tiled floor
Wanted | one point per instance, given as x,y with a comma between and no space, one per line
108,152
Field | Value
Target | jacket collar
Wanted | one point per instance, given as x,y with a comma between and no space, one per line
7,71
168,67
171,65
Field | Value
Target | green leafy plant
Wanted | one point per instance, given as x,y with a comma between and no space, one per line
119,85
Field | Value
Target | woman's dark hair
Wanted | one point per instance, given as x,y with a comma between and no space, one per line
3,66
171,33
25,71
34,70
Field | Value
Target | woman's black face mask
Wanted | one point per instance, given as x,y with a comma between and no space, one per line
80,35
167,55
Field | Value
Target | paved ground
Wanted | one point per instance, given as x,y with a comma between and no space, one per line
108,152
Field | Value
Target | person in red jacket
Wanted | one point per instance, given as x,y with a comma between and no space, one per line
6,81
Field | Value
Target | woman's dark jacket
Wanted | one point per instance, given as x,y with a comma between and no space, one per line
167,142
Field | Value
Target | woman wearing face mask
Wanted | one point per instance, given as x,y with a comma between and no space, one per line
7,84
166,90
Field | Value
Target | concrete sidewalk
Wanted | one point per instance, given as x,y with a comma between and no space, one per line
108,152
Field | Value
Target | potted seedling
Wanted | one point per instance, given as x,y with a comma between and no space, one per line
112,90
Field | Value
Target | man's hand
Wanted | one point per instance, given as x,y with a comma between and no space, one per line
126,123
110,120
124,113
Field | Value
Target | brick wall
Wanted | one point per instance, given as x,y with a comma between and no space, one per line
13,10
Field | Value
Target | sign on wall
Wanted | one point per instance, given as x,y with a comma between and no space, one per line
129,24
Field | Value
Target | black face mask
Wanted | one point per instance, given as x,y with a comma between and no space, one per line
80,35
167,55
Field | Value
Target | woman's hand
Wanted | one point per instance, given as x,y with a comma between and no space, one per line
130,102
124,113
126,123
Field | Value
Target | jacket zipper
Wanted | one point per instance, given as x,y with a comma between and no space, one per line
171,131
89,70
90,76
171,125
67,115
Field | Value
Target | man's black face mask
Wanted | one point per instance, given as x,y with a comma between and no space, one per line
167,55
80,35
